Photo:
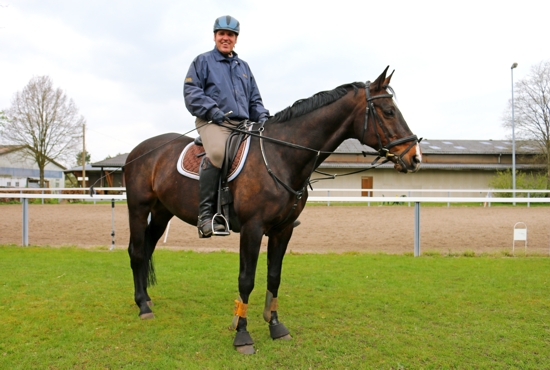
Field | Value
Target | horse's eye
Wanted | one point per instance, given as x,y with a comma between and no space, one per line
389,112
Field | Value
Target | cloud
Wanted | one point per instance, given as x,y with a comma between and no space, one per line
124,62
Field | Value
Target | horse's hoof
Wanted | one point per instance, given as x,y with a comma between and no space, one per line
279,331
246,350
286,337
150,303
147,316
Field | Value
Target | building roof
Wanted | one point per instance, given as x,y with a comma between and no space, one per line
437,166
6,149
447,147
353,146
117,161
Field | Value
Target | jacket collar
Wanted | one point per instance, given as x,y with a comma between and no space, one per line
220,57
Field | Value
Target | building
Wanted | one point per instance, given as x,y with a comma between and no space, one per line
106,173
446,164
16,170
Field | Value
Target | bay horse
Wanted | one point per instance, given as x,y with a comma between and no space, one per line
270,192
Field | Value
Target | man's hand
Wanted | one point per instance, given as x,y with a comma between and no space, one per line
218,117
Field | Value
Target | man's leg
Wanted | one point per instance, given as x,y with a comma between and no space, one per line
209,177
213,139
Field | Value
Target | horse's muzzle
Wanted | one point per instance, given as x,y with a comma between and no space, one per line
416,160
410,162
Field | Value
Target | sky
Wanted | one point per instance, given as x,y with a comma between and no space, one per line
123,62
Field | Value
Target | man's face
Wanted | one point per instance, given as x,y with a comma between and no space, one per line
225,41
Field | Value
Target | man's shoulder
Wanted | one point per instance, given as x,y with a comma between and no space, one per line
206,55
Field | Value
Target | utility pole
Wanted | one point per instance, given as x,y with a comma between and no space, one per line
513,137
83,155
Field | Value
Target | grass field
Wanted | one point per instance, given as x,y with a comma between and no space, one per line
73,308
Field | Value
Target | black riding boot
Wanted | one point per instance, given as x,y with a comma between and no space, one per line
209,177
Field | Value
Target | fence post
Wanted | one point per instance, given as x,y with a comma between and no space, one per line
368,197
417,229
112,224
25,202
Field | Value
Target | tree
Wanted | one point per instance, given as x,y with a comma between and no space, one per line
45,122
532,110
79,158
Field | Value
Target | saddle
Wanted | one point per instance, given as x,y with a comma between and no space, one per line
236,152
190,158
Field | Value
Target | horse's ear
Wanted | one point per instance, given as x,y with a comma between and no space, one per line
387,80
379,82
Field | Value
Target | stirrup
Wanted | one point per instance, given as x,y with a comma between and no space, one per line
220,233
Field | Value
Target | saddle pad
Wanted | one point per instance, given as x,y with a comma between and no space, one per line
190,160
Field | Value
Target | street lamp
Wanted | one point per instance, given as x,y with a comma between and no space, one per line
513,138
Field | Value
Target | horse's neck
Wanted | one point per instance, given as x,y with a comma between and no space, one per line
327,127
321,131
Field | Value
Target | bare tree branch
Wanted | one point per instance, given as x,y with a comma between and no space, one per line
532,110
45,122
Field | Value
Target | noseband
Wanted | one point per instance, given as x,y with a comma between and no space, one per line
384,150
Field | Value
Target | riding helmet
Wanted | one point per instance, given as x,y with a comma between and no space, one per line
227,22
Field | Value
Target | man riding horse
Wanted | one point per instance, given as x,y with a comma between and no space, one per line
219,87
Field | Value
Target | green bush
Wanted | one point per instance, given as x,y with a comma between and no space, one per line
524,180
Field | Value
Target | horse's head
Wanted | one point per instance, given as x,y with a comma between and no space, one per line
385,128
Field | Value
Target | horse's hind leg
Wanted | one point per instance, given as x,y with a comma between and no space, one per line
143,239
138,258
276,249
158,222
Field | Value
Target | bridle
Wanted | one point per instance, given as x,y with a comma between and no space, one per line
384,150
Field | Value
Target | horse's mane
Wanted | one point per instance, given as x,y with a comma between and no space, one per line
303,106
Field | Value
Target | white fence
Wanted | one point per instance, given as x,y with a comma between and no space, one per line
485,196
486,200
57,193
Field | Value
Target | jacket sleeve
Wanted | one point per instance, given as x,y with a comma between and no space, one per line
256,108
197,102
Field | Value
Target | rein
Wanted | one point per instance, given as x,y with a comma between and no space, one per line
383,152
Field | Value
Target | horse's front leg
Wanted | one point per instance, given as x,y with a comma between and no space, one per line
276,249
249,251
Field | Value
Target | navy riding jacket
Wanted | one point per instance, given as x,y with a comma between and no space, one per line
215,81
